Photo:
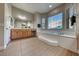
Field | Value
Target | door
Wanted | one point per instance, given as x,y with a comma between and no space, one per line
7,19
7,30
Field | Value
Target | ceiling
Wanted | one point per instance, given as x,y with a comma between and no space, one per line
36,7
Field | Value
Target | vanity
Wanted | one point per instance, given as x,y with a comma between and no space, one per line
22,33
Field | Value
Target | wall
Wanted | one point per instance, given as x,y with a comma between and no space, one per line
37,18
77,31
1,26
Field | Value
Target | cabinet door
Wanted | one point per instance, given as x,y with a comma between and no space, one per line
24,33
13,34
19,34
30,33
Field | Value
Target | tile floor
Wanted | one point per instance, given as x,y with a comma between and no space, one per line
33,47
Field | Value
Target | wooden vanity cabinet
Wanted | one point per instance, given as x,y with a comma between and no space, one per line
21,33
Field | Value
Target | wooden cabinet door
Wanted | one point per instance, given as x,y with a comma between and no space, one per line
19,34
30,33
26,33
22,33
14,35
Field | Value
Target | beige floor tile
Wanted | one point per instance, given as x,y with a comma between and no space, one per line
33,47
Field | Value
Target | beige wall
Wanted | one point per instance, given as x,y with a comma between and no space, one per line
77,20
37,20
1,25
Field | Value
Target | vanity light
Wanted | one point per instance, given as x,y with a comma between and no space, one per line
50,6
21,17
28,24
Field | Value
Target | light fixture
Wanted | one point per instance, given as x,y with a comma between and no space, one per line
28,24
21,17
50,5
